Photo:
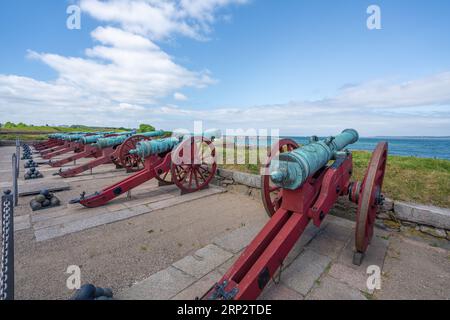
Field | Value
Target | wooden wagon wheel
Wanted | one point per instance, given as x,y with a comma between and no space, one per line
270,193
132,162
193,164
369,199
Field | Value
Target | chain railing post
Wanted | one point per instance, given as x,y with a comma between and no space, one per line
18,156
15,176
7,247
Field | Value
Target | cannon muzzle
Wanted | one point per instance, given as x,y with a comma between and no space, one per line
293,168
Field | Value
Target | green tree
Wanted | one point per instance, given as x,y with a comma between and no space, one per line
10,125
146,128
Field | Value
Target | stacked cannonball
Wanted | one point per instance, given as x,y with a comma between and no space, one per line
30,164
33,173
26,152
45,199
91,292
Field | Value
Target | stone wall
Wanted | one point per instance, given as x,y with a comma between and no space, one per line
397,215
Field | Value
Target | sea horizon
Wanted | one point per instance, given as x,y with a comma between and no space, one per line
420,147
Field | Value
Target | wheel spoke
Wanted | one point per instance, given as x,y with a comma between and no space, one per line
195,176
190,178
201,175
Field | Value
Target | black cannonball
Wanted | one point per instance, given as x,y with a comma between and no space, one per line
86,292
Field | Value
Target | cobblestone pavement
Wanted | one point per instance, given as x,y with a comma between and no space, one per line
318,268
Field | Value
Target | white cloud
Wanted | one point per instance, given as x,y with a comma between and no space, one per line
123,68
159,19
122,79
417,107
370,113
434,89
179,96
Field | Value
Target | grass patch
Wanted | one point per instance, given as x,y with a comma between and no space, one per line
21,127
368,295
414,179
24,137
420,180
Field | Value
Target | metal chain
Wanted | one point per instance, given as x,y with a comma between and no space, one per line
6,222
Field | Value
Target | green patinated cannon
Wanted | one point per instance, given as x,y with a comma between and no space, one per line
154,147
111,149
114,141
293,168
187,160
79,137
94,138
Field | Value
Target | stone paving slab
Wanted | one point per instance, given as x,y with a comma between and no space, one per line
201,286
304,271
415,270
162,285
238,239
77,212
375,254
348,275
329,288
324,244
279,292
150,194
203,261
22,222
90,218
316,271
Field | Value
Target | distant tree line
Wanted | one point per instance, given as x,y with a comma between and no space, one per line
11,125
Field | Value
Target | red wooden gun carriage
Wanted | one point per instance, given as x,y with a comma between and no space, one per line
301,185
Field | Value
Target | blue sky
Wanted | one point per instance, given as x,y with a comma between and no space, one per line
305,67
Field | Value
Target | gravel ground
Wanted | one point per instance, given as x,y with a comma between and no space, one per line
119,254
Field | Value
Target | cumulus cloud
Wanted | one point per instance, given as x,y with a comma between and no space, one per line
179,96
124,68
416,107
434,89
122,79
123,73
159,19
389,109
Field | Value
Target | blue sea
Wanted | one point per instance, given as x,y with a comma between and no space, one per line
422,147
438,148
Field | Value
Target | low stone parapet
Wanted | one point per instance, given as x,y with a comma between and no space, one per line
431,220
